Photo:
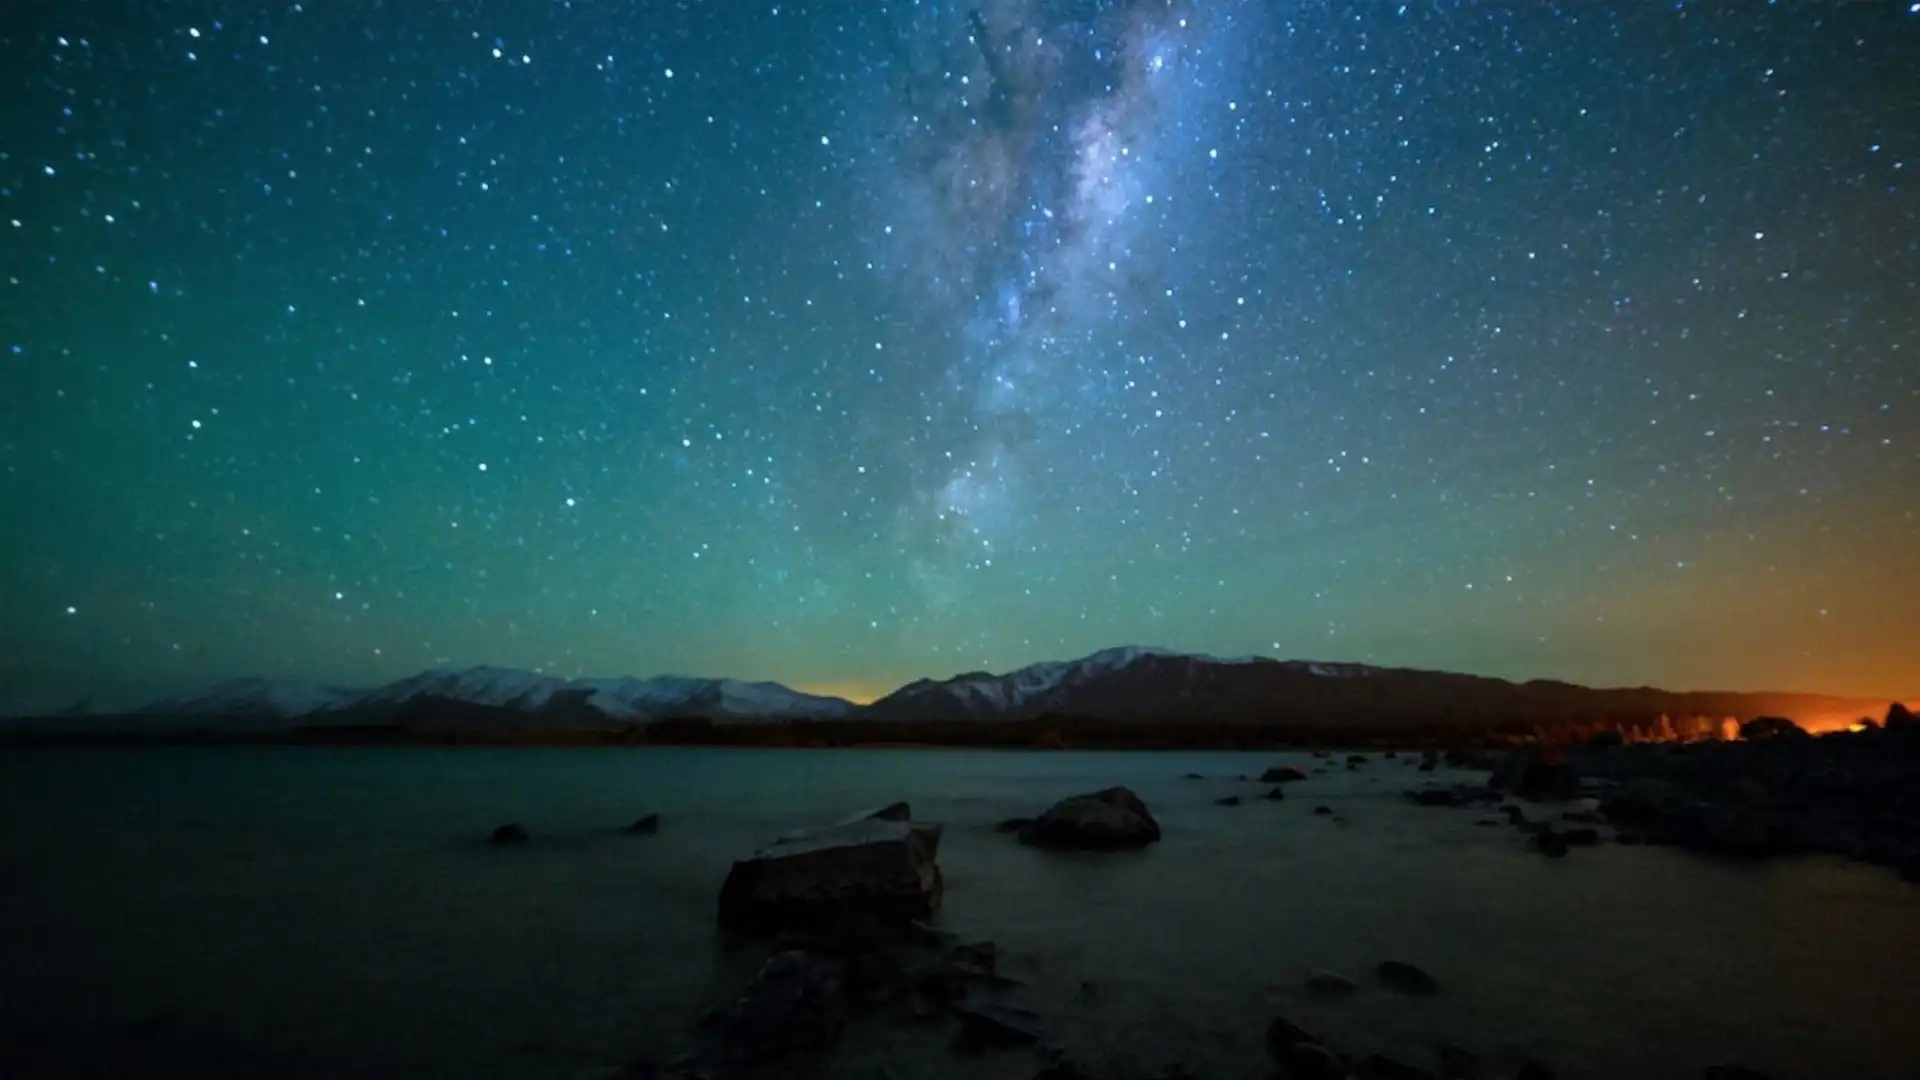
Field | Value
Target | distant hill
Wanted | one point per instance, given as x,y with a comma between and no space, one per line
1130,686
1156,684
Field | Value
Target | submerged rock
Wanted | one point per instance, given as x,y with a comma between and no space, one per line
1276,794
1330,984
1310,1061
877,867
1101,821
1376,1067
1549,843
789,1014
1404,977
1772,727
986,1025
1534,773
1458,1063
1230,800
510,833
1283,1035
1282,774
646,826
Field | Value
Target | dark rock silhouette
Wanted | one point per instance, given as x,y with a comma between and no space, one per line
1457,1063
871,866
1103,820
1230,800
1535,773
509,834
646,826
1772,727
1377,1067
788,1016
1282,774
1549,843
986,1025
1404,977
1330,984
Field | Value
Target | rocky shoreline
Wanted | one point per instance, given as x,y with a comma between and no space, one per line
843,917
1776,791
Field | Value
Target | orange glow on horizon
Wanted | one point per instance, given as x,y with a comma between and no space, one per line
858,691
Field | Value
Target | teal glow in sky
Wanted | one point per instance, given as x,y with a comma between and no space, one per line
846,343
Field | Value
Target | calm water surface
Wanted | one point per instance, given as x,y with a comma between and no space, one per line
321,912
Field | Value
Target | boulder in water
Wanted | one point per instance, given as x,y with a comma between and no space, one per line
509,834
1535,773
1771,727
1282,774
1376,1067
646,826
1283,1035
1310,1061
872,867
1101,821
987,1025
1330,984
1404,977
1458,1063
1230,800
1275,793
789,1014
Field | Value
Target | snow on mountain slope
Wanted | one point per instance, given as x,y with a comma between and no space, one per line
261,697
627,699
1126,679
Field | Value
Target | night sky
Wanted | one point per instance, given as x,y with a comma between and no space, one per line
843,343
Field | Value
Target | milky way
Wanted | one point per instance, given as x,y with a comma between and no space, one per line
842,344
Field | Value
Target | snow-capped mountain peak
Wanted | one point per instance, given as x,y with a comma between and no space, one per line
624,699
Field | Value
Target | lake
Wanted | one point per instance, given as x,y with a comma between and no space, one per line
321,912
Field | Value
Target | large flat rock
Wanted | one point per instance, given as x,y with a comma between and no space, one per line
863,867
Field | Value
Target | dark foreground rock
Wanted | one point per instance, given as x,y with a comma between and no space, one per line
1404,977
1458,1063
1101,821
787,1017
1535,773
1851,794
509,834
883,868
1330,984
1376,1067
986,1026
646,826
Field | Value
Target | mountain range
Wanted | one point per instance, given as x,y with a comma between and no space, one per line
1121,684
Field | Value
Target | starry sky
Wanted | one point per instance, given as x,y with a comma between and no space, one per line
843,343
